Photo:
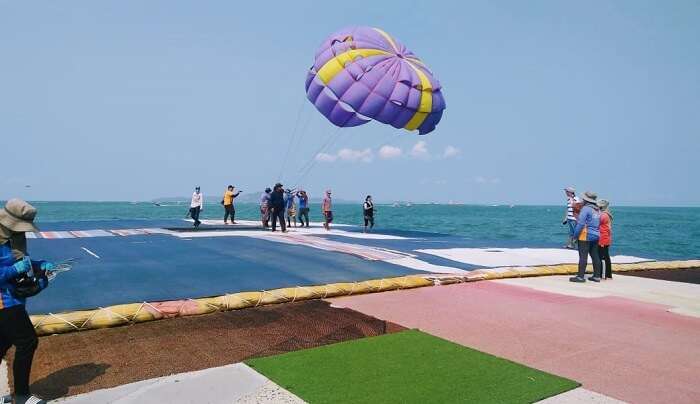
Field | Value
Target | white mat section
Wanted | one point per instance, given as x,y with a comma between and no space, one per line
580,396
418,265
315,229
223,385
303,237
509,257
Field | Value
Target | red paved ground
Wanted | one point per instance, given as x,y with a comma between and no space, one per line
629,350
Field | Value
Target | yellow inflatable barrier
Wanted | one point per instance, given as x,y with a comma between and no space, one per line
123,314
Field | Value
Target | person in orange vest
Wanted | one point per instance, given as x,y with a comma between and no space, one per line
229,209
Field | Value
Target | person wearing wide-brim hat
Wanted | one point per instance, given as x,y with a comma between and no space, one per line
587,233
20,277
605,240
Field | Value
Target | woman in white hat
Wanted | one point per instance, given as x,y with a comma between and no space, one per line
605,240
20,278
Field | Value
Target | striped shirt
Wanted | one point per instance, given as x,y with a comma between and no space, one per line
570,202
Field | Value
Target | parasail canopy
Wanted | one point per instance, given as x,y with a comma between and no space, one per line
362,74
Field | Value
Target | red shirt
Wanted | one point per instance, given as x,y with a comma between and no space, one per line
605,230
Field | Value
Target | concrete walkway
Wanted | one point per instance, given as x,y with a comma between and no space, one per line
223,385
681,298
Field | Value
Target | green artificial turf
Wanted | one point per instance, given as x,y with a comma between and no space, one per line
410,366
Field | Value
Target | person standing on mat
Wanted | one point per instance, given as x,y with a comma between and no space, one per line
291,206
265,208
368,211
229,209
587,233
605,240
196,206
277,206
573,206
327,208
20,277
303,207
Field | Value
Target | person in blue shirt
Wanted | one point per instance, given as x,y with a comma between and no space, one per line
20,277
587,232
303,207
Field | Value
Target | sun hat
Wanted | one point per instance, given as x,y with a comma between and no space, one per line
603,204
590,197
18,216
570,190
328,191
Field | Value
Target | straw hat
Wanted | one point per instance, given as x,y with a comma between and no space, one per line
590,197
18,216
603,204
570,190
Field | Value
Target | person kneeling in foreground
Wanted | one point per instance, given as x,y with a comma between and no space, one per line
20,278
587,233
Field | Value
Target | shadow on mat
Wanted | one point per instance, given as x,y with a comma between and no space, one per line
57,383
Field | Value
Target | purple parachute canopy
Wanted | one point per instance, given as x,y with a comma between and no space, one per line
363,73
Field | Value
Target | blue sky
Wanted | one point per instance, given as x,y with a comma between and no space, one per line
134,100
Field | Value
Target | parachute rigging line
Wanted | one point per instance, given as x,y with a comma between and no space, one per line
292,139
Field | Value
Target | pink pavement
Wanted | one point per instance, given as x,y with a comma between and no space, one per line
629,350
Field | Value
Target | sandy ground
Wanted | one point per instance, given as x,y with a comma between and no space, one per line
624,348
678,275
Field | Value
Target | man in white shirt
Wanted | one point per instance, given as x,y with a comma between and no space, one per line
196,206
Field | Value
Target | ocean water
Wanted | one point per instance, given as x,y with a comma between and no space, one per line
655,232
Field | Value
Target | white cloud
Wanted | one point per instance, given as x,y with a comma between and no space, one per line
365,156
450,151
420,150
326,158
389,152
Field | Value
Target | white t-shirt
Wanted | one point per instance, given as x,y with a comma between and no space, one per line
197,200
